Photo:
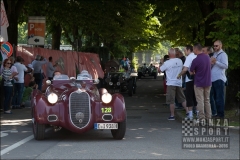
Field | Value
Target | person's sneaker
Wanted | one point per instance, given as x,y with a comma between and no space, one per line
189,118
171,118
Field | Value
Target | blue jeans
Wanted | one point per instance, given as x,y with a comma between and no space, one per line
18,94
39,83
7,94
217,98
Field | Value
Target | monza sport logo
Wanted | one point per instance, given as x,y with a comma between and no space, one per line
210,134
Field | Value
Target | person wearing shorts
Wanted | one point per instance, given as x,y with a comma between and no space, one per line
173,67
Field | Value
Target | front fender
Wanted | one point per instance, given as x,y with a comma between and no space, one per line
41,109
118,109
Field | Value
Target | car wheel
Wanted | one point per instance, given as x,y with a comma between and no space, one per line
120,132
38,131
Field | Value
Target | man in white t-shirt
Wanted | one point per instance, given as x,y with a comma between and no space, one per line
190,94
18,84
173,67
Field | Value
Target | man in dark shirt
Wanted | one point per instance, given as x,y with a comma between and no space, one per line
201,66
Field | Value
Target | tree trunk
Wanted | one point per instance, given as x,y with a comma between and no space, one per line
13,9
206,9
232,89
56,37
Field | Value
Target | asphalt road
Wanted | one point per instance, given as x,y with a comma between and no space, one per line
149,135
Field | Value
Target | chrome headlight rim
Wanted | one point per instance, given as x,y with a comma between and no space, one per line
106,98
52,98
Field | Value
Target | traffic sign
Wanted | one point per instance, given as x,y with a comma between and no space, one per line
7,48
36,30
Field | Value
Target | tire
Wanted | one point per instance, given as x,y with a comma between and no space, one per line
130,88
38,131
120,132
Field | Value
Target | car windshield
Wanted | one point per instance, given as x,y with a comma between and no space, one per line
84,76
61,77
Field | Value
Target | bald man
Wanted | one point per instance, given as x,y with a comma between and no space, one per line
219,62
173,67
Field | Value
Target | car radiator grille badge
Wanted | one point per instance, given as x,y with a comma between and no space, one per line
79,116
79,109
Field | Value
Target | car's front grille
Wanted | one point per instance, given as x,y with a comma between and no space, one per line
79,109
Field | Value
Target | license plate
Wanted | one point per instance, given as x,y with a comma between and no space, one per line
105,125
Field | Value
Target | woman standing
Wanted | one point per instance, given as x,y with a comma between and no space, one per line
7,76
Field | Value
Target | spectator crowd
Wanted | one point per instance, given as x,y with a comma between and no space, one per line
196,82
15,92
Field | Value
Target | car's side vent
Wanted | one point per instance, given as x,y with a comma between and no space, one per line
107,117
52,118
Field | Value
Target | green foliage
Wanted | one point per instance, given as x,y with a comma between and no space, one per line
238,96
228,32
22,33
180,21
134,63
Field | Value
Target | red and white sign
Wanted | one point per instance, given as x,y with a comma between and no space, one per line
7,48
36,30
4,24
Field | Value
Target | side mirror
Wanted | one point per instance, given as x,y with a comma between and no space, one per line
48,82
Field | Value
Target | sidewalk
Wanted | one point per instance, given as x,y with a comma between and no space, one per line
18,115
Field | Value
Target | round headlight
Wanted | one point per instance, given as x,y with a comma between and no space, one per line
52,98
106,98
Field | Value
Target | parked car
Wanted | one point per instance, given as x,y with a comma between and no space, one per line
121,81
76,104
145,71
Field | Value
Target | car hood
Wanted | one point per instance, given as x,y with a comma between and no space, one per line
68,88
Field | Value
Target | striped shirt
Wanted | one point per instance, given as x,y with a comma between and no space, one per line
6,73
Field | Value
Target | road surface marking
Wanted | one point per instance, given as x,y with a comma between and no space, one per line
3,134
8,149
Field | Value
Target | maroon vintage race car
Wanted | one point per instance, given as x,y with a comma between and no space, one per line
77,105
